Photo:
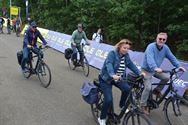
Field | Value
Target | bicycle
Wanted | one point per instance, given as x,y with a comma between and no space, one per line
41,68
172,104
73,64
134,116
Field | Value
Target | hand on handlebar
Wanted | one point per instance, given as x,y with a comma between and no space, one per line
158,70
29,46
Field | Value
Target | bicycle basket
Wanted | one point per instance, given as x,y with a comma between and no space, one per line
19,57
132,79
89,92
68,53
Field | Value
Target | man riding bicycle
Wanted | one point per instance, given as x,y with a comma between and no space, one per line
155,53
76,39
30,43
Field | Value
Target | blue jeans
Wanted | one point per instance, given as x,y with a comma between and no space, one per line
108,98
26,55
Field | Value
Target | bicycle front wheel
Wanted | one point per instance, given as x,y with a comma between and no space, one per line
44,74
85,67
136,118
175,112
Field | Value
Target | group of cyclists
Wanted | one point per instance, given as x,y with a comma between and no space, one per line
113,70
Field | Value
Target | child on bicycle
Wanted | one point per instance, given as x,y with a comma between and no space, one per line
113,70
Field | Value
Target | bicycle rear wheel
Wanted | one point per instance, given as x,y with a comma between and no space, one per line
97,107
136,118
44,74
85,67
29,70
175,112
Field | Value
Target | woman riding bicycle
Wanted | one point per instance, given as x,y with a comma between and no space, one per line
30,43
76,39
113,70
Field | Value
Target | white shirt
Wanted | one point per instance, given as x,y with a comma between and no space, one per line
97,37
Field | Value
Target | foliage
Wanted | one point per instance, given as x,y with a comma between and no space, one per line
137,20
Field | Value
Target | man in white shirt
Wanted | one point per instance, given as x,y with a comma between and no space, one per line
97,37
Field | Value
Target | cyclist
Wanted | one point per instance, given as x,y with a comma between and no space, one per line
113,72
153,58
76,39
30,42
18,23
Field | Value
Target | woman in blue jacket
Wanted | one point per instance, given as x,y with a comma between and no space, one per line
114,69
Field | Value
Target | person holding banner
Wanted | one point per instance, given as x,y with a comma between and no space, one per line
76,39
112,73
155,53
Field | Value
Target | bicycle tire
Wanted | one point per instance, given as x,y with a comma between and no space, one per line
43,70
29,72
85,67
129,119
97,107
172,115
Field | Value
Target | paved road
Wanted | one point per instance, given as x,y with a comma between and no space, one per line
26,102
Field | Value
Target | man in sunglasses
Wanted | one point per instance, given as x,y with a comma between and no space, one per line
155,53
30,43
76,40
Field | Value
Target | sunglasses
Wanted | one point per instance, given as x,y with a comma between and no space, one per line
162,39
128,43
34,26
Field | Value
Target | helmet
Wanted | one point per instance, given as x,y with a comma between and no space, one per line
33,24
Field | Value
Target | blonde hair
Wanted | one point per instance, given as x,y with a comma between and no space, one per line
123,41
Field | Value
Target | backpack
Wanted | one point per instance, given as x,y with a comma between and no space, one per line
68,53
89,93
19,57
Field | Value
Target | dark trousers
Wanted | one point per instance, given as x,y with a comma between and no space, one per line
108,98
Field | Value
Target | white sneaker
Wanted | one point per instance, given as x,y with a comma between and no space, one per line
102,121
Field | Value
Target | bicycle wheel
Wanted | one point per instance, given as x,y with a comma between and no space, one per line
29,72
85,67
44,74
175,112
96,108
71,64
136,118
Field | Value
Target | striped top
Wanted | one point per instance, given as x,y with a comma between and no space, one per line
121,68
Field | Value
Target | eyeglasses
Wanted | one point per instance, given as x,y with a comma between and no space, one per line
129,43
162,39
34,26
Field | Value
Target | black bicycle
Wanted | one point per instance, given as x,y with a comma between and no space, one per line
135,116
173,108
41,68
73,64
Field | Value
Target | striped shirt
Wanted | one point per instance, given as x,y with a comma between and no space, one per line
121,68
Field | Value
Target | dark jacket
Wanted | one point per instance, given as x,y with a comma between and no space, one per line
32,36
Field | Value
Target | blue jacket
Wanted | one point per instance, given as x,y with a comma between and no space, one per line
32,36
112,63
154,57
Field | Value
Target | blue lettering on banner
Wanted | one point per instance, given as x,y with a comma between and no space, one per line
96,53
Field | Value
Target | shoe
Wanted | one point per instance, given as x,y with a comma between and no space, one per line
102,121
145,110
24,70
